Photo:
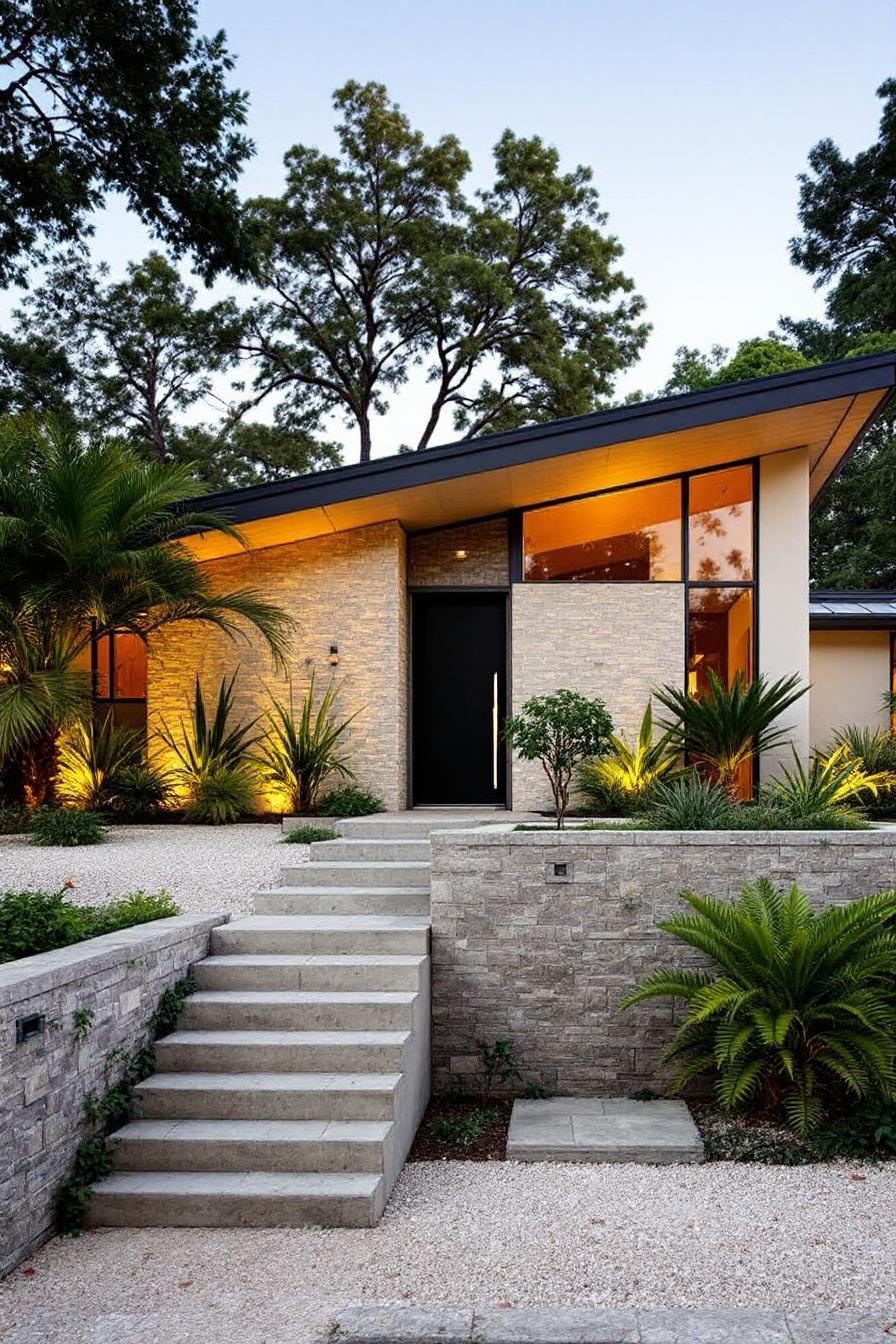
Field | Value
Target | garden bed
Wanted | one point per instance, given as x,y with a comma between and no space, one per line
463,1130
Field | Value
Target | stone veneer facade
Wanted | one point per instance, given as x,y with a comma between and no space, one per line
119,978
615,641
347,589
433,561
543,960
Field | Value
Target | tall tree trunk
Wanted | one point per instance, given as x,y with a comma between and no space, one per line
12,781
366,440
40,769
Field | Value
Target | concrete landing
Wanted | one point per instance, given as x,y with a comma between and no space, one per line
602,1129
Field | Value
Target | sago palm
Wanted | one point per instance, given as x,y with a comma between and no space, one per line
624,775
727,726
798,1005
88,544
297,757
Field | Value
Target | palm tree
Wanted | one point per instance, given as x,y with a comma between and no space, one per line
89,544
727,726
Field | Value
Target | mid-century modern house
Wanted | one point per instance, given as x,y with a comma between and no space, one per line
607,553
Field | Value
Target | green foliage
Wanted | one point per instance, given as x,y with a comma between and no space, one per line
88,540
619,782
862,1132
757,358
499,1066
727,726
875,750
125,96
142,791
780,814
799,1008
113,1107
14,819
687,803
643,1094
463,1130
93,757
82,1021
299,757
836,780
214,758
559,730
373,261
308,835
350,801
66,826
32,922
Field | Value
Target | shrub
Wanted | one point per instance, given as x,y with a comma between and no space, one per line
65,826
308,835
620,781
92,759
688,803
213,759
559,731
875,749
350,801
142,790
799,1008
832,781
221,795
727,726
39,921
15,819
298,758
776,815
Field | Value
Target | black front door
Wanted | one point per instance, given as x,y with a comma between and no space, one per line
458,671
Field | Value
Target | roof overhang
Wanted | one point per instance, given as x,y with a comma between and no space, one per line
852,609
824,409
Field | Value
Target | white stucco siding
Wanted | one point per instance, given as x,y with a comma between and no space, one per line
850,674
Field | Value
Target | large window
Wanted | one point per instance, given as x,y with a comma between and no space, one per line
621,535
117,664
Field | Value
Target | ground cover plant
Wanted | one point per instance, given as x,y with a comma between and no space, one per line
66,826
797,1011
350,801
308,835
32,922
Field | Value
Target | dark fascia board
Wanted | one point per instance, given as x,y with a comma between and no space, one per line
831,620
623,424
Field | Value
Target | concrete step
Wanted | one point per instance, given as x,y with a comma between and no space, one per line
269,1096
299,1010
314,934
356,875
328,900
237,1199
283,1051
406,826
371,851
269,971
251,1145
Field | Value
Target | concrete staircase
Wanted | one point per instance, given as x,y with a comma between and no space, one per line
292,1089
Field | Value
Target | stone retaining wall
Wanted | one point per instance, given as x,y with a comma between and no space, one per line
119,978
543,959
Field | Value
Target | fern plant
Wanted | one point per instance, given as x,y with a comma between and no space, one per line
622,778
798,1007
214,758
299,756
727,726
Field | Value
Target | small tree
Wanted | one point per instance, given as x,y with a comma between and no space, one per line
559,730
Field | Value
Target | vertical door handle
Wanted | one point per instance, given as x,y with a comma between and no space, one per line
495,733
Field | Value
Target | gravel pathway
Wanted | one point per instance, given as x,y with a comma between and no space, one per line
482,1235
206,868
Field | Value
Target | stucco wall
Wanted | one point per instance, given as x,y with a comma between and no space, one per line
119,979
433,559
850,672
784,586
615,641
521,955
346,589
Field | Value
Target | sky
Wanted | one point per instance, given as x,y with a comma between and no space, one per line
695,116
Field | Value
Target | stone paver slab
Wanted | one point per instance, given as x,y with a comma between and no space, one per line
565,1325
597,1129
686,1326
402,1325
842,1327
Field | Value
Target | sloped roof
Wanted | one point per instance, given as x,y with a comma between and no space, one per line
855,609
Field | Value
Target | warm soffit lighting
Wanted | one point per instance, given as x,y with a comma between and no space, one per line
460,555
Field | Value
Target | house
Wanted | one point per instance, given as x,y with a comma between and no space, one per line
852,660
607,553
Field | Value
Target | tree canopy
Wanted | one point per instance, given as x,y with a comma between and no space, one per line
117,95
374,261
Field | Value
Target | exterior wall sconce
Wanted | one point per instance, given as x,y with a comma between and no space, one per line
333,658
460,555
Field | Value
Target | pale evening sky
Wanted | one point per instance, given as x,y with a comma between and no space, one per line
696,118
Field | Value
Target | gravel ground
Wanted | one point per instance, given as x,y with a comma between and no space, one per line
206,868
474,1234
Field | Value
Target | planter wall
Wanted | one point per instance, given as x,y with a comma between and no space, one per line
524,952
119,978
